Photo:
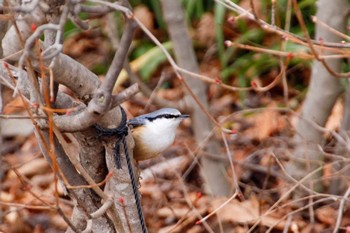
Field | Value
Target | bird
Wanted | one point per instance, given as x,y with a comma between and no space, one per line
154,132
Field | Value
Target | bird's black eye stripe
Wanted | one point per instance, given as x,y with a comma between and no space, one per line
167,116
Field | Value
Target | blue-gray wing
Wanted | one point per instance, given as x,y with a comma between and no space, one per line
141,120
135,122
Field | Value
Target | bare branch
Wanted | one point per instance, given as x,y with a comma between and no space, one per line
341,210
102,96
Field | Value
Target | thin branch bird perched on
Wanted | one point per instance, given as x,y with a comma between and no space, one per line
154,132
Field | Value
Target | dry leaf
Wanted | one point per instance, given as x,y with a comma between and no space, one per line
16,127
336,116
143,14
326,215
170,212
151,190
205,33
188,221
6,197
246,212
265,124
37,166
14,106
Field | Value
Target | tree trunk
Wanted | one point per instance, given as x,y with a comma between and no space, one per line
213,171
323,92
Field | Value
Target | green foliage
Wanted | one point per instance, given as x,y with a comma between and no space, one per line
147,57
219,14
248,66
242,64
156,9
308,9
194,9
242,60
235,63
152,65
69,29
100,68
141,49
308,5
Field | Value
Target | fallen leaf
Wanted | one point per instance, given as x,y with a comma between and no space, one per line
169,212
336,116
205,33
265,123
326,214
16,127
14,106
142,13
246,212
6,197
37,166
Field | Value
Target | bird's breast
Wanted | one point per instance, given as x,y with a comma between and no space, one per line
150,142
156,139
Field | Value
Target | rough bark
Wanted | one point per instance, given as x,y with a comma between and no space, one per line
86,200
119,186
323,92
213,171
97,105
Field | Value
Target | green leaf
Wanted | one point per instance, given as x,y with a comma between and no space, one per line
219,12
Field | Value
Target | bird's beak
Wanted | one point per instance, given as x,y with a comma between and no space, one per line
184,116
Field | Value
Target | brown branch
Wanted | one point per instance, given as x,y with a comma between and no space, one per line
234,7
311,45
66,168
336,32
33,207
326,199
251,3
124,95
66,219
118,60
101,102
100,10
86,116
75,76
276,80
66,123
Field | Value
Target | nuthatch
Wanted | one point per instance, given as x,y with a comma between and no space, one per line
154,132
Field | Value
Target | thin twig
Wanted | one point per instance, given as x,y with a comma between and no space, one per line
103,209
326,199
148,92
241,11
109,175
311,44
66,219
33,207
20,117
217,209
332,30
341,210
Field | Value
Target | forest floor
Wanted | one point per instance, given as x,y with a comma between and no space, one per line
173,198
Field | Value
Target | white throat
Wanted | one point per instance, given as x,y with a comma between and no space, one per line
159,134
